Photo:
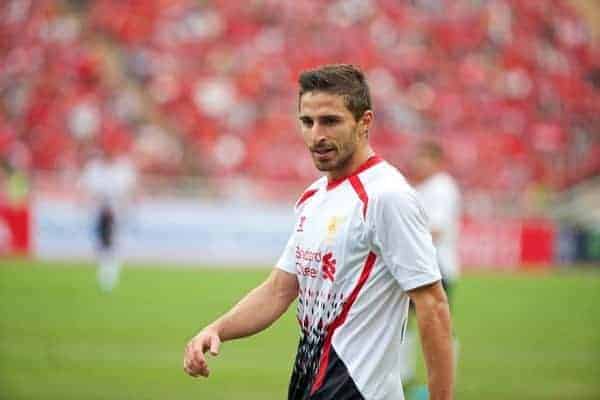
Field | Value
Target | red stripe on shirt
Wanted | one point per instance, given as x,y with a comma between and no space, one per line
361,192
373,160
339,321
305,196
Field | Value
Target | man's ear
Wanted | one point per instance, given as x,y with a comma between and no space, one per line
366,121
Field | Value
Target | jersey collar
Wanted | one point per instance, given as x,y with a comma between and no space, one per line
371,161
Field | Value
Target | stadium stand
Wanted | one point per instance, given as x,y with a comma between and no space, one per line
511,88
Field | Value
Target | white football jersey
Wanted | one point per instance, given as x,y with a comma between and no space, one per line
359,244
440,197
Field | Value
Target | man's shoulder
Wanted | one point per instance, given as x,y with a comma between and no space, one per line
386,180
310,191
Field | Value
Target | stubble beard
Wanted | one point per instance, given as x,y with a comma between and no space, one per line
340,161
343,155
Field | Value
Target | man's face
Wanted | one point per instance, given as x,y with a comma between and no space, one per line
329,130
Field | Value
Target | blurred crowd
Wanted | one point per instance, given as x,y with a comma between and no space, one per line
186,87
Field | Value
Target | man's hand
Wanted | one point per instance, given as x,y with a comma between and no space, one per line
194,360
254,313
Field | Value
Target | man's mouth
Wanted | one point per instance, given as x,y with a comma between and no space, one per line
324,152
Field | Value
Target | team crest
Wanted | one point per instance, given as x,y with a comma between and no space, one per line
333,226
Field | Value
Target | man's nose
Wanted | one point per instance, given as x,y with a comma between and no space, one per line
317,133
319,140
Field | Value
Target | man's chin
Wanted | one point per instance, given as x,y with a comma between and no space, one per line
324,166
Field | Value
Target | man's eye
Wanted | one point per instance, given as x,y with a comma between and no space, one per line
307,122
329,121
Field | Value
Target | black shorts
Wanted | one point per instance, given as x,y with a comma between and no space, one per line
105,228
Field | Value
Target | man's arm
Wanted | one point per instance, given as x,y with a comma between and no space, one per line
435,329
255,312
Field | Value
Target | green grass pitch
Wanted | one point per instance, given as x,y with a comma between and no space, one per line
521,336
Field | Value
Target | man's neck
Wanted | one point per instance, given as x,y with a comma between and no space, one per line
358,159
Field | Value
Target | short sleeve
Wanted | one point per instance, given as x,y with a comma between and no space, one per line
287,260
401,236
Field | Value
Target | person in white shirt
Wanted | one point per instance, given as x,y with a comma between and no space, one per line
440,195
109,183
359,251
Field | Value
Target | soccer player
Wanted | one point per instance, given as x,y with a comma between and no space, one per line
109,182
359,251
440,196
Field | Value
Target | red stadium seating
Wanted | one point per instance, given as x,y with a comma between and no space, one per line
511,88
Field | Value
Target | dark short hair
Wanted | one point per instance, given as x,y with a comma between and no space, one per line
340,79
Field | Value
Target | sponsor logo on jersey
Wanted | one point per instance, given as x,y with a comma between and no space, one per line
313,263
307,262
328,267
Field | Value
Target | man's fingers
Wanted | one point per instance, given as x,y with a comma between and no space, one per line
191,366
199,363
205,372
196,368
215,343
194,362
200,368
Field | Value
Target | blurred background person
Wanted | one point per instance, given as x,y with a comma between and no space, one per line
109,181
440,196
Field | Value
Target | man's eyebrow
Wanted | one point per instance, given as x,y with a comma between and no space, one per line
326,115
330,116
